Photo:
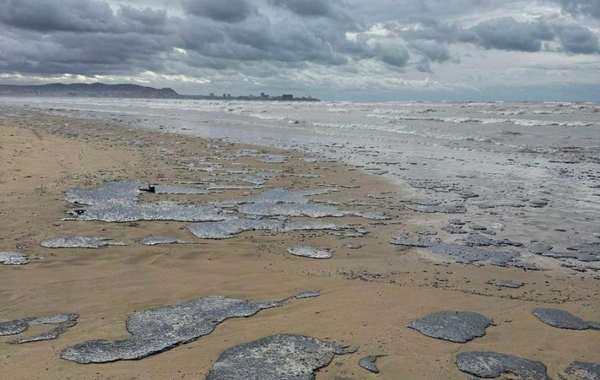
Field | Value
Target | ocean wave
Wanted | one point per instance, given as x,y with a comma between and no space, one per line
385,111
544,123
455,120
551,112
494,121
460,120
504,112
404,130
266,116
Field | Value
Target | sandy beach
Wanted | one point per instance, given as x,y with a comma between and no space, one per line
368,295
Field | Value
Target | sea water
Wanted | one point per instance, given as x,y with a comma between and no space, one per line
532,168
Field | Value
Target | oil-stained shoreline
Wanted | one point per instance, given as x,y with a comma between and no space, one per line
367,297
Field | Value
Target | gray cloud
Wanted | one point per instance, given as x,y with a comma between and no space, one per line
99,53
308,8
260,39
300,41
146,16
582,7
431,50
500,34
220,10
395,55
433,29
404,10
508,34
577,39
82,37
57,15
424,66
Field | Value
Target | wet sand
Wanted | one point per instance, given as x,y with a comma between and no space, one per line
368,294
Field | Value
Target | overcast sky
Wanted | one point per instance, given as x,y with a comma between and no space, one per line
334,49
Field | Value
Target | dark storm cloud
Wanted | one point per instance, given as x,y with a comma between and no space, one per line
308,8
108,49
260,39
232,11
94,39
149,17
81,37
501,34
54,15
589,8
577,39
277,38
98,53
508,34
85,16
288,38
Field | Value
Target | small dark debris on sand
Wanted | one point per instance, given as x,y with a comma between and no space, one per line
509,284
407,242
584,371
368,363
477,240
12,258
474,255
587,252
523,265
119,202
540,249
454,230
278,357
159,240
436,208
230,228
169,189
564,320
310,252
309,294
81,242
61,323
353,246
163,328
453,326
491,365
461,253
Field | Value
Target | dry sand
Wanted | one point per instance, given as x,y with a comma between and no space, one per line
368,294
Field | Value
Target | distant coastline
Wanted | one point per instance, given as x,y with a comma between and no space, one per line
101,90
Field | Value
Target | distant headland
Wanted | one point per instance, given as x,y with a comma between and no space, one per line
101,90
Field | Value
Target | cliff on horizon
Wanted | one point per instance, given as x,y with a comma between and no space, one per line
94,90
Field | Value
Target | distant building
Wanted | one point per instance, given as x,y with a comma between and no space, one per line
212,94
262,95
287,97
